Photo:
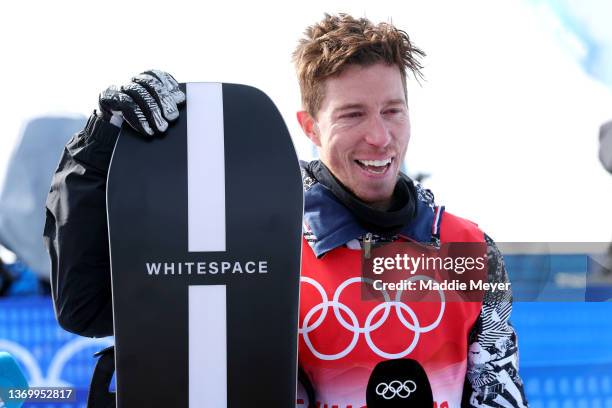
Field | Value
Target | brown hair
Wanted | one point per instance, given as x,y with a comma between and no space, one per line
339,40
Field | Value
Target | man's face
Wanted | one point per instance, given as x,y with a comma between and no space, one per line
362,130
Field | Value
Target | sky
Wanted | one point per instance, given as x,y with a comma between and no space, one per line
505,123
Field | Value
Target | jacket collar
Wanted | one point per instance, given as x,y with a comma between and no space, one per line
328,224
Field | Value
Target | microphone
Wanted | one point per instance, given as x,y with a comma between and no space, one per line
11,380
399,383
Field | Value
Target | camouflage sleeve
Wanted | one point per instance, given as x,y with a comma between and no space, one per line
492,367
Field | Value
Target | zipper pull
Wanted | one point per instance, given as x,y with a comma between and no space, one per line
367,245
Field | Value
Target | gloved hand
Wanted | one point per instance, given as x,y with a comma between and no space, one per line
147,103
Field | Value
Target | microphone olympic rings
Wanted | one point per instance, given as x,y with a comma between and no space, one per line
396,389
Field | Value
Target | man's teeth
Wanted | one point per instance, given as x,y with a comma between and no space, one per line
375,163
375,166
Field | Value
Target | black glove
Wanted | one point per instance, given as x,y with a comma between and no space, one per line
147,103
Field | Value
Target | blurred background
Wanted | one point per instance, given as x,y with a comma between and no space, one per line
505,131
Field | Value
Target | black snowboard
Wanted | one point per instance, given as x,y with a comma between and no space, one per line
205,236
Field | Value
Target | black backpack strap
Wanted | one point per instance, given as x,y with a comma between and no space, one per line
99,394
304,379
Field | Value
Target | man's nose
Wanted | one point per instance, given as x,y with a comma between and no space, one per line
377,133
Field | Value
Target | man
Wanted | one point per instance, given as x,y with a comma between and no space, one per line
352,77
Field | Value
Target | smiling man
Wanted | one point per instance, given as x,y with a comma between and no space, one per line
352,76
362,130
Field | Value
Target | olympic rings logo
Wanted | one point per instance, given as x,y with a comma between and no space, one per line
369,326
396,389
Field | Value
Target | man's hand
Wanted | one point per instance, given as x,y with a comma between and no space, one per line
147,103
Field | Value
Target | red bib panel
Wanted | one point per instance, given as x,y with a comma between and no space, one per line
343,337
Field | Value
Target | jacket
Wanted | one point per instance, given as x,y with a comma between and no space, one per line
479,364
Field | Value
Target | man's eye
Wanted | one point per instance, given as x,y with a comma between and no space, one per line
352,115
392,111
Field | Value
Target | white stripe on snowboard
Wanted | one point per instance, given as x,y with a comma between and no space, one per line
207,346
205,167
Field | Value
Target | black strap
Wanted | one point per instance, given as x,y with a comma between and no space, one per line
308,387
99,394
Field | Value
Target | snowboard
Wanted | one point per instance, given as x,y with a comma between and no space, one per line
205,242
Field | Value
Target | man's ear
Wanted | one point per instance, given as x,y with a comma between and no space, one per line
309,127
